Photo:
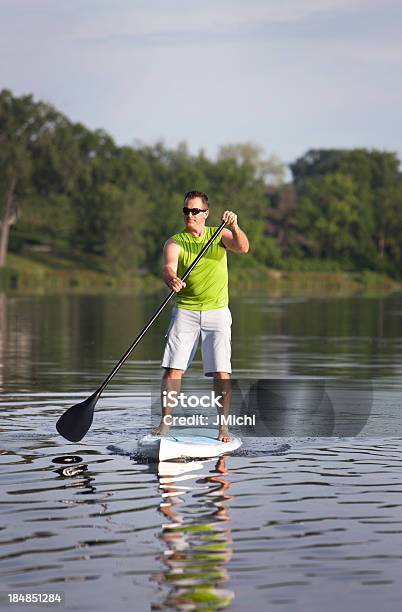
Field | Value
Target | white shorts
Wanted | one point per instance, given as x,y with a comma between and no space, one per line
183,335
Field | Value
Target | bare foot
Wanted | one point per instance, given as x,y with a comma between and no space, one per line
161,430
223,435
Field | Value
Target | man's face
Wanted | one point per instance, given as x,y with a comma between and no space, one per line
196,221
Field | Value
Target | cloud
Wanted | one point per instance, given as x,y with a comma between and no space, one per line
289,75
360,31
216,23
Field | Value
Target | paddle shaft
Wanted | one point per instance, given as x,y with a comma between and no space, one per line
158,311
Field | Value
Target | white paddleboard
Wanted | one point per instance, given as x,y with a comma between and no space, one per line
163,448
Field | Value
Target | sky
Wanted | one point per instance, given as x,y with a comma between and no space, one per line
288,75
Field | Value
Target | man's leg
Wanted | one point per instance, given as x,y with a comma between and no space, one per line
171,381
223,387
216,354
181,345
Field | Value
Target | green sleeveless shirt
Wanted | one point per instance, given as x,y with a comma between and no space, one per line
207,285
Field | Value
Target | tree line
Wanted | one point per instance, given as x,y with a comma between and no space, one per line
75,190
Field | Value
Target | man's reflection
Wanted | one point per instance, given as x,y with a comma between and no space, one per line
197,539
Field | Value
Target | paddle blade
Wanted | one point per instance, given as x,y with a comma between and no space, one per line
75,422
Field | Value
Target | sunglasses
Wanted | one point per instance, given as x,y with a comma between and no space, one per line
193,211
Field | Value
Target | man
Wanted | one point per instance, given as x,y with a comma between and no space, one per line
202,302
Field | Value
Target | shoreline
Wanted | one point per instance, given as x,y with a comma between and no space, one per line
24,275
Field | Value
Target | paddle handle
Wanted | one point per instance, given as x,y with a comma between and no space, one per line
158,311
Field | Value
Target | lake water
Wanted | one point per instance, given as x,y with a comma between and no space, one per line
287,523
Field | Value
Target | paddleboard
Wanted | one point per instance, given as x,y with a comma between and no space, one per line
163,448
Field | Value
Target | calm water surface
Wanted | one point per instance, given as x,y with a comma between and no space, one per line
285,524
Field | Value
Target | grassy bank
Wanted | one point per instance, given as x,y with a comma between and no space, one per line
51,273
45,273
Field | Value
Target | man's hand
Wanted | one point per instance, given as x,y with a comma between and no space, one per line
176,284
230,218
233,238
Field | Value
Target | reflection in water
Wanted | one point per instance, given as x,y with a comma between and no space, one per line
287,532
72,467
68,343
3,335
302,522
197,539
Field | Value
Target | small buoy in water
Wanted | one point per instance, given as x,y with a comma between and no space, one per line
67,459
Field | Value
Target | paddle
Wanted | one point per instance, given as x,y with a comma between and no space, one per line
75,422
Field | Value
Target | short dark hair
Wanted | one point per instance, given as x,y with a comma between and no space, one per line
196,194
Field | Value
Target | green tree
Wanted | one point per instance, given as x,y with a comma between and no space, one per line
271,170
329,217
376,175
17,127
31,157
126,217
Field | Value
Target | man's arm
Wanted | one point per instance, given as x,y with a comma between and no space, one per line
171,252
234,238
